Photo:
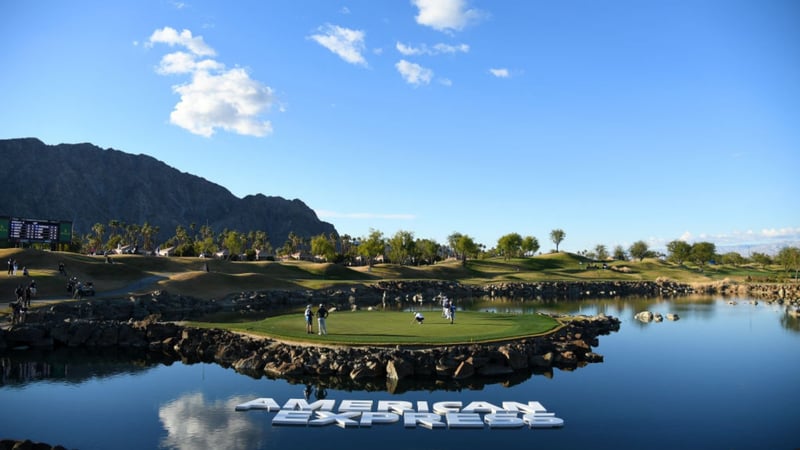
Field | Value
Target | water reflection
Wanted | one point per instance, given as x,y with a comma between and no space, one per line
703,307
790,320
194,422
316,388
655,379
73,365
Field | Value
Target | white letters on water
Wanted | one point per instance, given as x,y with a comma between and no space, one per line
365,413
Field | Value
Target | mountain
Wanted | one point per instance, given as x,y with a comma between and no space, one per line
85,184
747,250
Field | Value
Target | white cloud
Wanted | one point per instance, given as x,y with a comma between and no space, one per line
414,73
788,232
446,15
500,73
744,237
325,214
182,62
445,82
435,50
230,100
215,97
171,37
445,48
406,50
346,43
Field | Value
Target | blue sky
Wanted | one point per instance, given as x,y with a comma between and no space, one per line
615,121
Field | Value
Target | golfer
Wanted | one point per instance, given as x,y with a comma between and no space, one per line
419,317
322,313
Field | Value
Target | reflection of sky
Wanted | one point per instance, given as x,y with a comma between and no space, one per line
192,422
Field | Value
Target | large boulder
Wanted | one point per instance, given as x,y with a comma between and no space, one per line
464,370
516,360
399,368
28,336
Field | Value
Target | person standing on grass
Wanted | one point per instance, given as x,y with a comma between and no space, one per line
309,320
322,313
452,312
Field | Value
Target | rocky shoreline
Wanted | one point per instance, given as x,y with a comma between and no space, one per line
83,325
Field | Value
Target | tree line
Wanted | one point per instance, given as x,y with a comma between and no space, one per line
401,248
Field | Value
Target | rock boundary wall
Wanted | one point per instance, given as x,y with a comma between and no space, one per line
392,293
568,347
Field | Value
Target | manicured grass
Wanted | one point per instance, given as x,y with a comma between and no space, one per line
393,327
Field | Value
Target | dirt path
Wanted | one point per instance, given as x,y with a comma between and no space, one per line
136,286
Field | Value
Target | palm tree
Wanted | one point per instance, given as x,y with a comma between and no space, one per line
98,230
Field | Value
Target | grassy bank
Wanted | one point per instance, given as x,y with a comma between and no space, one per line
131,274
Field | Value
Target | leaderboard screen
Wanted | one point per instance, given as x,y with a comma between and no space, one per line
37,230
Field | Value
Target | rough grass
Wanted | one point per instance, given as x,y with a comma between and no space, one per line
136,273
394,327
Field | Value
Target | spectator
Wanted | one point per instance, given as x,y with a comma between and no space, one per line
309,316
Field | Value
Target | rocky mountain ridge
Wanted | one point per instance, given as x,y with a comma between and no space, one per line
86,184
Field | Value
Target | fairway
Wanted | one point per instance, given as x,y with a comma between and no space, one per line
393,327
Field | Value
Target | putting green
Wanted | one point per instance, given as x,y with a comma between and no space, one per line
392,327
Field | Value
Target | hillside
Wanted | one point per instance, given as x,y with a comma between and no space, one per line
85,184
137,273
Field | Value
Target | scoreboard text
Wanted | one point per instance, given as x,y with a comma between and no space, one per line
28,230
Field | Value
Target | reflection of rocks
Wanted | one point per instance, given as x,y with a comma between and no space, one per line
26,445
75,364
647,317
779,292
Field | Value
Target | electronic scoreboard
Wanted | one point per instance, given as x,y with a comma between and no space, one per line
29,230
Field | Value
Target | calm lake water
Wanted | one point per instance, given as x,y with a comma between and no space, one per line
722,377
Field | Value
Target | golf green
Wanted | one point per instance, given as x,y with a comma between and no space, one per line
394,327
